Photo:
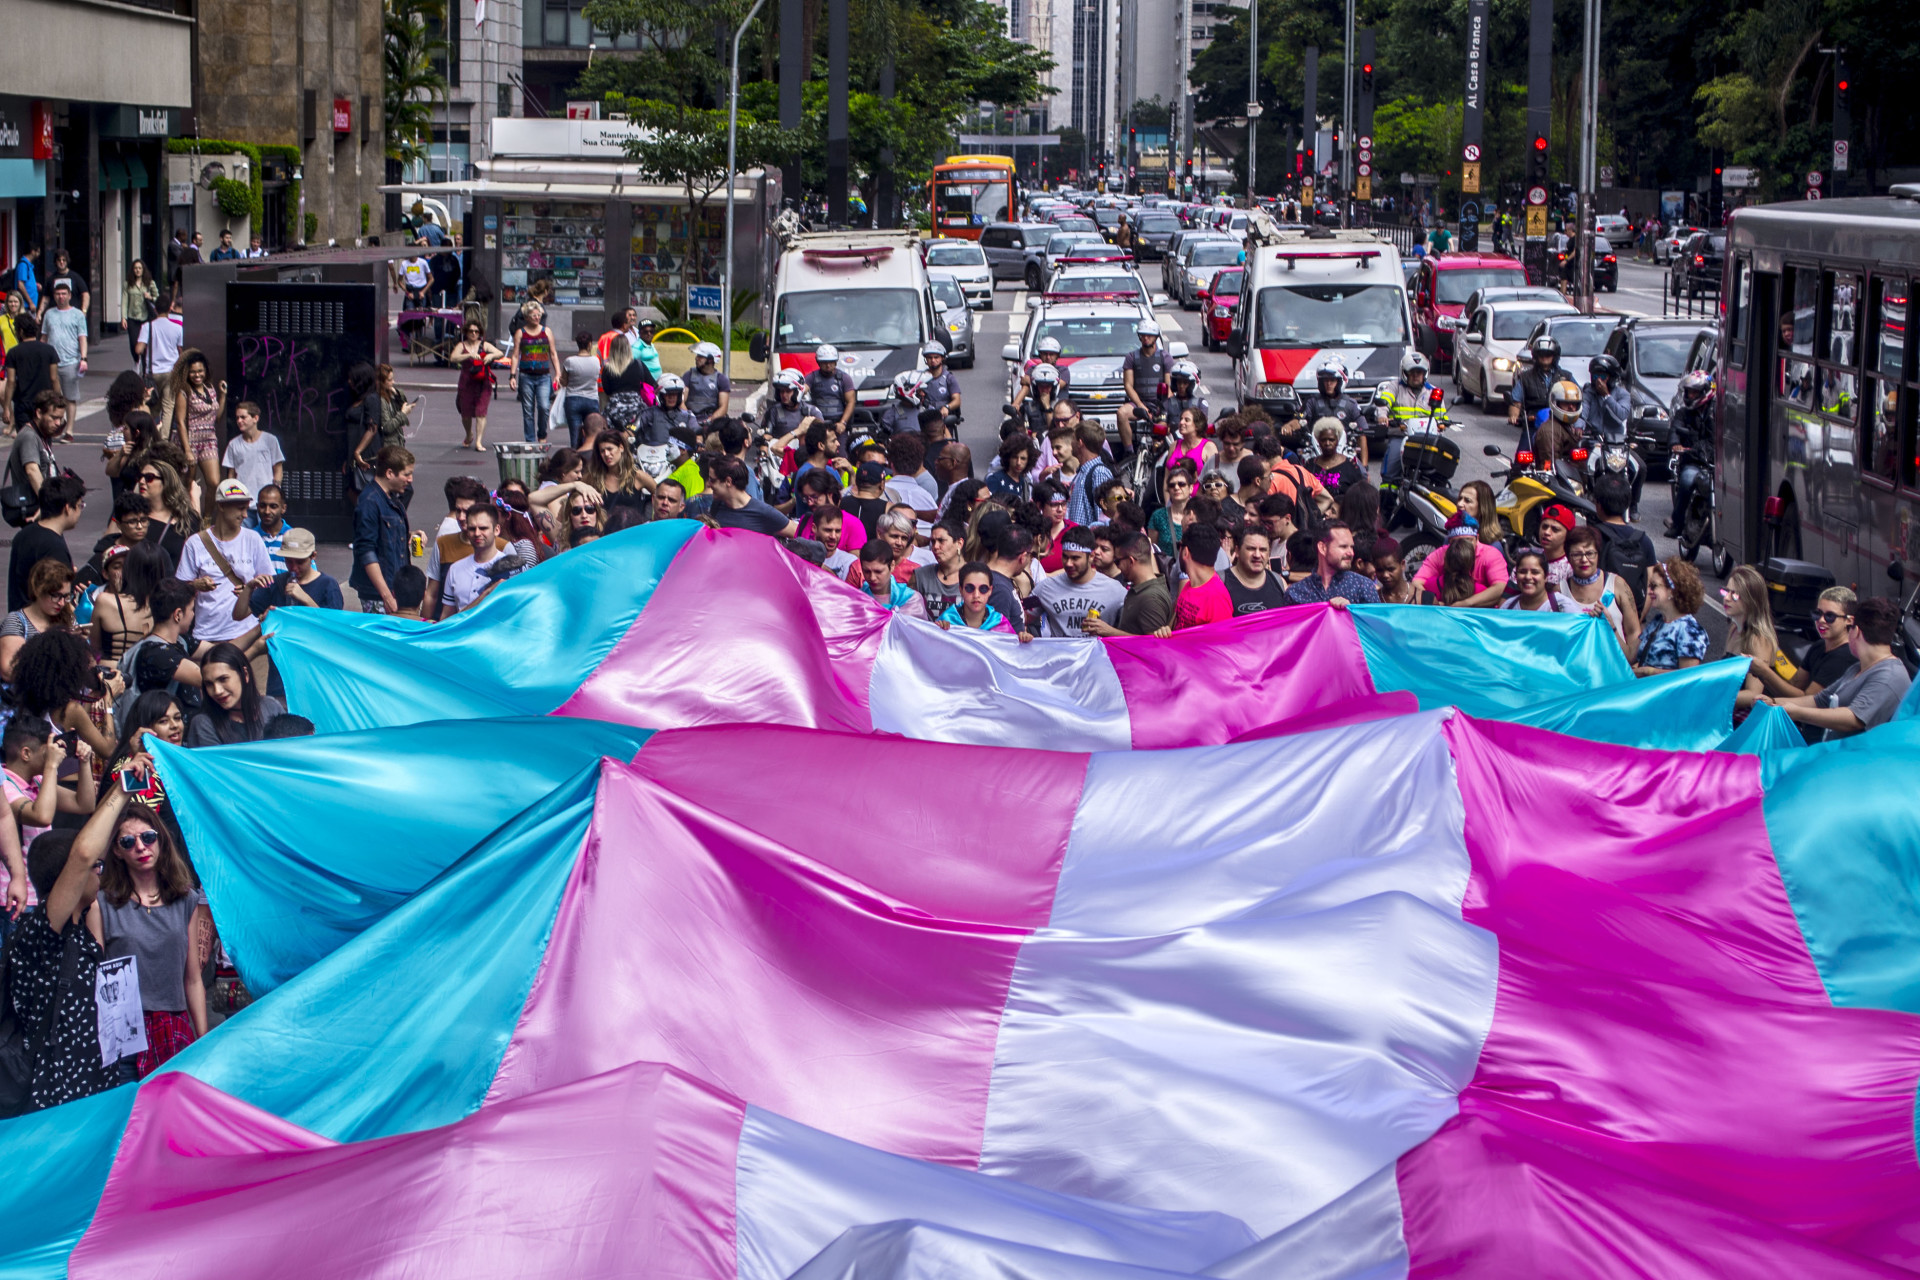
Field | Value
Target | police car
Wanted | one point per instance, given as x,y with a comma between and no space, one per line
1103,279
1095,334
1308,295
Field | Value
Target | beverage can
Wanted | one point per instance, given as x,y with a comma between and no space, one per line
417,544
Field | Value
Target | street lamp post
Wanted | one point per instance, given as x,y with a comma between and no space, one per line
1589,145
1346,124
726,260
1253,90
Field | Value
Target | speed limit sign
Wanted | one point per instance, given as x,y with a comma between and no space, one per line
1366,170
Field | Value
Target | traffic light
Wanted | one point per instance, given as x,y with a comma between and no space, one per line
1366,77
1842,121
1537,160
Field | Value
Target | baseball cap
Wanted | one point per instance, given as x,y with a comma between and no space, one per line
870,474
232,491
297,543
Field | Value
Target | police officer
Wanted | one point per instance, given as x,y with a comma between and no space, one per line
1047,392
1533,388
1405,403
1183,392
829,388
1693,445
1046,351
789,414
658,424
1143,372
903,410
942,390
1330,400
708,390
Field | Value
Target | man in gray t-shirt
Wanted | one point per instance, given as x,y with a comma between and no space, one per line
1872,688
1065,598
65,327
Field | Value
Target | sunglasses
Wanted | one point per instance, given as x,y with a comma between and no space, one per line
144,839
972,590
1828,616
583,511
148,475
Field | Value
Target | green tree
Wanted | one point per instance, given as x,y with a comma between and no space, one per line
410,83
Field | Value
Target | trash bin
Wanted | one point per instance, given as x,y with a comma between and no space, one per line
520,461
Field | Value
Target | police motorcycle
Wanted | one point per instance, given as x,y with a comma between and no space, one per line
1606,447
1696,518
1531,483
1425,496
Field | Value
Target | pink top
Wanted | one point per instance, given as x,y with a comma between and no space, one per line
1197,454
1489,567
15,789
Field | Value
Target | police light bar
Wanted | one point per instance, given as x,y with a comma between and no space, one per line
1109,257
1291,256
1108,295
868,254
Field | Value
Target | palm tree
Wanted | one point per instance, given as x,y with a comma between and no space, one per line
411,81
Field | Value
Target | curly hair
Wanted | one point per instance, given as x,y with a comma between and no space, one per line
1684,581
51,670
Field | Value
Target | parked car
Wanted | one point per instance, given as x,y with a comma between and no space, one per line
1653,354
952,309
1697,266
966,262
1218,301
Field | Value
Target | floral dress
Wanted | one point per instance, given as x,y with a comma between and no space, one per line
1664,644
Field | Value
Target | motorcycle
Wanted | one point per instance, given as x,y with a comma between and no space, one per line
1528,489
1699,524
1425,496
1907,643
1145,472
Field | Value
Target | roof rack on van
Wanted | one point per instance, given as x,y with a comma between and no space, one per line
866,254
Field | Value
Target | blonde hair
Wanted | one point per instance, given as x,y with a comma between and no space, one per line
619,354
1752,633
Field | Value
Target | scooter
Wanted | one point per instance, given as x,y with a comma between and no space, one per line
1530,488
1425,496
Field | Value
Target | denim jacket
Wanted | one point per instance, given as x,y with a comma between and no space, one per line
379,537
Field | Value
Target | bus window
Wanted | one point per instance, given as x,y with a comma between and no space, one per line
1839,346
1890,406
1796,336
1737,312
1883,437
1888,356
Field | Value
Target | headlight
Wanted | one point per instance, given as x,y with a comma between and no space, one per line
1274,391
1222,312
953,328
1195,277
1502,365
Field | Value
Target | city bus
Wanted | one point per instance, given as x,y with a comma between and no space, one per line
1818,381
968,192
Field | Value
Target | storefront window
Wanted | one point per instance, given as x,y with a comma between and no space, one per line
660,244
557,242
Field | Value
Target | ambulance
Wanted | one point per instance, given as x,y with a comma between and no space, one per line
1308,294
864,292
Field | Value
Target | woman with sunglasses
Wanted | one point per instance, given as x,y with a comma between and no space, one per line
1167,521
476,359
1673,638
171,516
151,909
585,518
1593,587
236,711
1750,632
1826,663
973,613
49,608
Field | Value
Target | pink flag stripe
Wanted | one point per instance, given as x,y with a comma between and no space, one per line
740,630
949,863
627,1174
687,937
1215,683
1664,1070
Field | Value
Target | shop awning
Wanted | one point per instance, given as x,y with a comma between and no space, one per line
137,178
113,174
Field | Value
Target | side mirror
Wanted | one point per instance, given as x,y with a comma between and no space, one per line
940,306
1033,300
1178,350
1897,571
1476,335
1236,346
1010,352
1160,300
1492,450
757,347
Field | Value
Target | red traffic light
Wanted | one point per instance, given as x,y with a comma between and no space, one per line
1841,86
1367,67
1539,144
1716,171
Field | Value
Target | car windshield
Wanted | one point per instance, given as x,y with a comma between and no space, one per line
1216,253
956,255
848,318
1582,337
1105,336
1157,222
1514,325
1061,243
1107,217
1228,282
1717,244
1077,224
1118,283
1662,355
948,291
1332,315
1454,286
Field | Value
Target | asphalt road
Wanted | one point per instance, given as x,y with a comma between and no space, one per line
983,391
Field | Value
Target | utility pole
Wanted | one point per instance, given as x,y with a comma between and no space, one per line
1346,124
836,113
733,134
1183,43
885,201
793,74
1253,91
1473,122
1589,144
1539,129
1309,128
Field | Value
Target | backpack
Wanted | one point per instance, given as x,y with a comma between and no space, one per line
1630,558
123,705
16,1047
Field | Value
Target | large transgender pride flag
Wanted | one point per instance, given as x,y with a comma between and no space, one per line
1417,996
673,625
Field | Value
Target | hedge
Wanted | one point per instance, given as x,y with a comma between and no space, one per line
228,191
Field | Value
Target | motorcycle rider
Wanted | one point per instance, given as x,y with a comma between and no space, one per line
1046,351
661,425
1143,373
942,390
790,414
1330,401
903,410
1603,418
830,388
708,390
1534,386
1047,392
1693,446
1406,402
1183,392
